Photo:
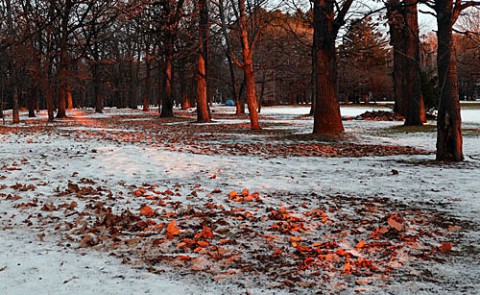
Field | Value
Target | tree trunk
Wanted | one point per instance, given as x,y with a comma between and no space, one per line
69,96
262,92
327,118
146,94
15,109
228,53
251,96
396,19
97,90
63,62
240,102
167,99
32,99
449,132
415,115
203,114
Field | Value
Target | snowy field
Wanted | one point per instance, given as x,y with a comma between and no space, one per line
50,176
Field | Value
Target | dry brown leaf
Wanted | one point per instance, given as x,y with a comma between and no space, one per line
395,224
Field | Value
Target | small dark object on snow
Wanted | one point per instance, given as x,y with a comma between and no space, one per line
395,172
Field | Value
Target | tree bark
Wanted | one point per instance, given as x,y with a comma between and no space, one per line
404,38
415,115
203,114
251,97
327,119
449,132
15,109
167,99
63,60
146,94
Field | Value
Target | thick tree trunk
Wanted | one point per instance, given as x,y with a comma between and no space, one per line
98,96
69,96
396,19
203,114
415,115
251,96
404,37
449,132
327,119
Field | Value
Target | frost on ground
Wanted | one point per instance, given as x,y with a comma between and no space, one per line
127,203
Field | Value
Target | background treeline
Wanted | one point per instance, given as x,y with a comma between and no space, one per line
112,53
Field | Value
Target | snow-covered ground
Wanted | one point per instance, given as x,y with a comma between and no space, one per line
33,260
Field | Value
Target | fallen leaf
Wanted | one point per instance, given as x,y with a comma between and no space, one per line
348,267
206,233
446,247
360,244
395,224
147,211
172,229
203,243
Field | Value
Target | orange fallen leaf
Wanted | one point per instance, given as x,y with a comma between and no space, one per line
172,229
203,243
206,233
245,192
446,247
232,194
139,192
295,239
348,267
360,244
147,211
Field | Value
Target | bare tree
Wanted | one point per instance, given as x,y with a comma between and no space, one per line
329,17
449,131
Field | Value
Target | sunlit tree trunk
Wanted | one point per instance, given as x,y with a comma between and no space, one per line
68,91
203,114
251,96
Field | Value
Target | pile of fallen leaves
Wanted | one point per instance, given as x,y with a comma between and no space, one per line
303,242
380,116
